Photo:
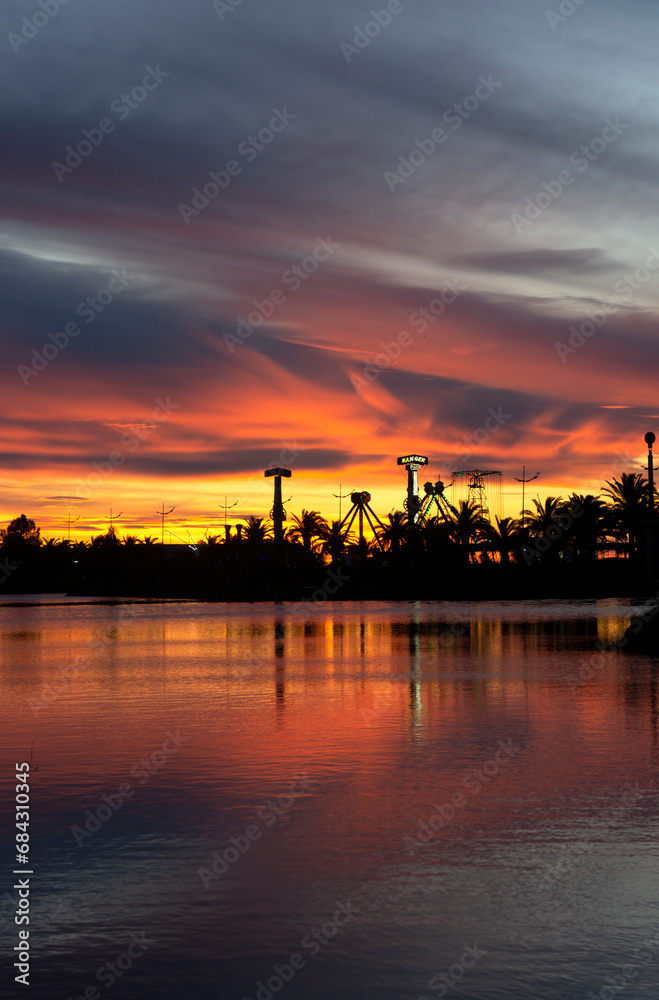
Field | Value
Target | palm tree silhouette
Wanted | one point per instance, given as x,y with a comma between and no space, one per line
437,537
257,530
629,504
593,523
395,533
548,522
469,527
211,541
545,514
308,528
335,540
108,541
505,537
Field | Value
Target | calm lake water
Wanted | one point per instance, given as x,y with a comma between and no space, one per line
400,800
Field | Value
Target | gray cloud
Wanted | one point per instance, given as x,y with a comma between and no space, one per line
325,174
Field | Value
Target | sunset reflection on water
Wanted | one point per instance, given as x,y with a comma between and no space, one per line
393,714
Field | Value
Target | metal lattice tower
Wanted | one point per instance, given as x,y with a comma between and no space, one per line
477,486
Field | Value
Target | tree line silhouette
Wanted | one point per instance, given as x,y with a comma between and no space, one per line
553,546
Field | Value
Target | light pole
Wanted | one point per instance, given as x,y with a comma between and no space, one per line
650,524
524,481
340,497
649,440
111,519
225,507
163,513
70,522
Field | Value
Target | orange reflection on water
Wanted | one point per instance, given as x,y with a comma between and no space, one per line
342,682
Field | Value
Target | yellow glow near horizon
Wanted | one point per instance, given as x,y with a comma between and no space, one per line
199,508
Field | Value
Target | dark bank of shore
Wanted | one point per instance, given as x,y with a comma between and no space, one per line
179,576
642,636
376,580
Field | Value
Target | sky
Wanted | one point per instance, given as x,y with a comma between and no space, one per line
241,235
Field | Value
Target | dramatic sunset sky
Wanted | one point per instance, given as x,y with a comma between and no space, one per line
391,234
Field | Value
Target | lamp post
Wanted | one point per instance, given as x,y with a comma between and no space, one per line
70,522
651,523
649,440
112,518
163,514
225,507
340,496
524,481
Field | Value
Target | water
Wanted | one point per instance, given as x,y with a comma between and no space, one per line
306,750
